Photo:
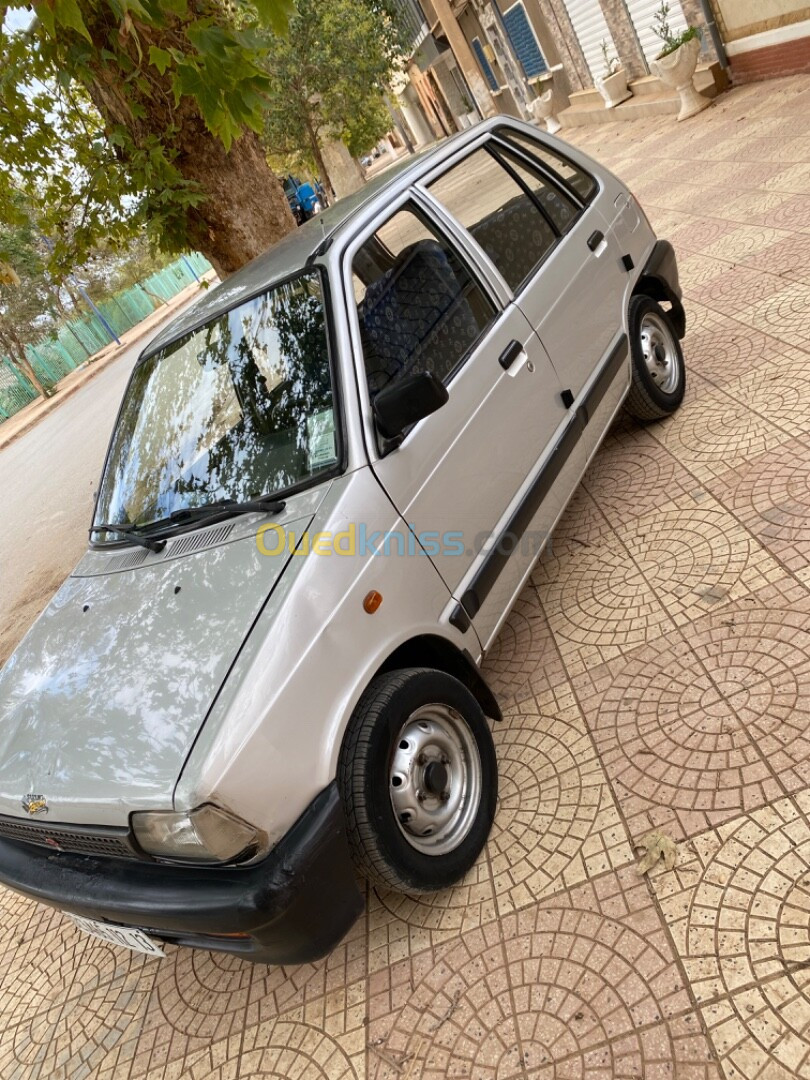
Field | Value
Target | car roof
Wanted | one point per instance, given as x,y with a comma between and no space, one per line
291,254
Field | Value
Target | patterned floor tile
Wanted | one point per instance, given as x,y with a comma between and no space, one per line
582,985
631,475
597,602
714,432
778,390
783,316
696,556
677,756
771,497
738,905
556,824
201,998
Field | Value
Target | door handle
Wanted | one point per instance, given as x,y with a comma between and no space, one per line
595,239
510,354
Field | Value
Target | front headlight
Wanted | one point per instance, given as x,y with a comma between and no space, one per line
205,835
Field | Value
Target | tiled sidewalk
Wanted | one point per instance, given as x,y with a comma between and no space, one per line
656,674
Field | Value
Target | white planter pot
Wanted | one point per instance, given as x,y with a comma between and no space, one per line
676,71
543,109
614,89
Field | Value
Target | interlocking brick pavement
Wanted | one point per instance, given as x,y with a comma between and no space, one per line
655,674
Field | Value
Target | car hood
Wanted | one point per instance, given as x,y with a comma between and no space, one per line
102,701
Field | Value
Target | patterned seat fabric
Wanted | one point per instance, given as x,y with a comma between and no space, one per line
515,237
416,317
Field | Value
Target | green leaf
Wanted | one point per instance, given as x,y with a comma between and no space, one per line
67,13
275,14
45,15
160,58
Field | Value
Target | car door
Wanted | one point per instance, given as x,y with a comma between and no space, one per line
576,300
420,303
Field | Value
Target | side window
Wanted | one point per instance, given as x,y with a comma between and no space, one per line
419,307
582,182
499,212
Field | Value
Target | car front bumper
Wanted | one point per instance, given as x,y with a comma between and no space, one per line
290,908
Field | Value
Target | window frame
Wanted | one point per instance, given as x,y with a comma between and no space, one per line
529,163
502,135
481,270
341,439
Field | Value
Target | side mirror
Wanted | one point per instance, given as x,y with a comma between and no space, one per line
406,401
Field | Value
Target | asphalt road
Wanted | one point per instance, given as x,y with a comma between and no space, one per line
47,480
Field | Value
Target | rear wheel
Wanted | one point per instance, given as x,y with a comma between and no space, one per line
658,370
419,781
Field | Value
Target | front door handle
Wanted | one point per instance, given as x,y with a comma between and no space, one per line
595,239
510,354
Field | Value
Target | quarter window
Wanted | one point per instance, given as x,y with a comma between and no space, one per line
418,305
557,206
499,212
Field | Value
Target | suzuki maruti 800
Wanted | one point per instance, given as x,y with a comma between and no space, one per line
327,484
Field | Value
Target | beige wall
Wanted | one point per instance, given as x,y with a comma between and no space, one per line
739,18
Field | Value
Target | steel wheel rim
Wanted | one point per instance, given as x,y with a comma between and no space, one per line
659,351
435,779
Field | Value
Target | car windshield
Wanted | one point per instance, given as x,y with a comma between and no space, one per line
242,407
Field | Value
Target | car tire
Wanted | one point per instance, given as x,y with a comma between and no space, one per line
658,377
419,780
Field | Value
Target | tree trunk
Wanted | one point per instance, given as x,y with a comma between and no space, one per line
320,164
16,355
245,210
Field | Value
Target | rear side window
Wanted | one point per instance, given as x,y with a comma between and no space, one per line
418,305
500,212
582,182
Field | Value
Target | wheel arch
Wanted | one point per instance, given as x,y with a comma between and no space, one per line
429,650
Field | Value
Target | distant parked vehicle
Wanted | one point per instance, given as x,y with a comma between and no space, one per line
306,199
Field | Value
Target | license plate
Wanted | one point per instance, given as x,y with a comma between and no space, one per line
126,936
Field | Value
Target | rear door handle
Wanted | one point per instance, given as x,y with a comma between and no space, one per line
595,239
510,354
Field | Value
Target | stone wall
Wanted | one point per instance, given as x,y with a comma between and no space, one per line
624,37
741,18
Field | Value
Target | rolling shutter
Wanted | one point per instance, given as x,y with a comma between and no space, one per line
591,30
642,12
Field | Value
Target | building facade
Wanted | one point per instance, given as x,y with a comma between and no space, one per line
477,58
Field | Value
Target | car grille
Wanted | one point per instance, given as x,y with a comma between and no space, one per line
110,842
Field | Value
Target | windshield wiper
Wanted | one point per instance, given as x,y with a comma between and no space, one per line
265,504
131,533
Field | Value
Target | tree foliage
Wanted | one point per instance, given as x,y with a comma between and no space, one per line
105,103
327,77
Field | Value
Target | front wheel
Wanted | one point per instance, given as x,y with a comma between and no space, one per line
658,378
419,781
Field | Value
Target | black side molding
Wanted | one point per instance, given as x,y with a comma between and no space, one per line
510,537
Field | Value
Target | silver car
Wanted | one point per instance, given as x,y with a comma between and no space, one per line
327,484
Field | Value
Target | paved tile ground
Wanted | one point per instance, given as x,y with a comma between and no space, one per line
655,674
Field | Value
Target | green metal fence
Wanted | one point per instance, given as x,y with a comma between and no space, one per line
77,340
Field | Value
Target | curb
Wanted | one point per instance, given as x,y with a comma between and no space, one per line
91,367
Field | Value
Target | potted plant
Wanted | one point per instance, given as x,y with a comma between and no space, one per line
542,108
613,84
675,64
